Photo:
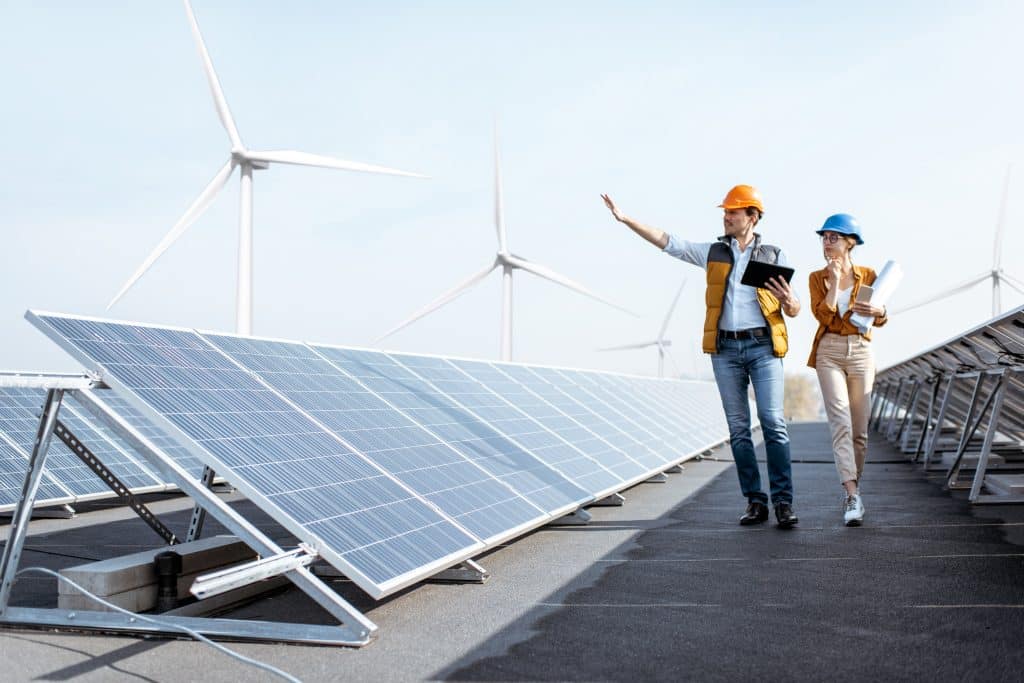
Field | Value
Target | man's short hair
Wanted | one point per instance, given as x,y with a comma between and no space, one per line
753,212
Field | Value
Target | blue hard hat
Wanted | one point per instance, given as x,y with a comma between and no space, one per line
844,224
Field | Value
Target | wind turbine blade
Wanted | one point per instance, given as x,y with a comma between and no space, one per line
499,208
664,325
626,347
672,360
1013,282
189,217
440,301
944,294
286,156
548,274
218,95
997,248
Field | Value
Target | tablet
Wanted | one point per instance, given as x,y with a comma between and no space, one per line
758,272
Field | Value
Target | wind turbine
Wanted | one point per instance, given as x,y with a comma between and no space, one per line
247,161
997,274
660,342
509,263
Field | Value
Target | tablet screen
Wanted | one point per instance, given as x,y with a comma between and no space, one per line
758,272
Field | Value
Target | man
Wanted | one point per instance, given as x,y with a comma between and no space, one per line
745,332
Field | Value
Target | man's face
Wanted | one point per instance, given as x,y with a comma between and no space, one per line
737,222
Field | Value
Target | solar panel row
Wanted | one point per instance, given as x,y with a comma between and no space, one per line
394,465
66,479
967,390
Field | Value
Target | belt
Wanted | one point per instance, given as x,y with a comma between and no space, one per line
752,333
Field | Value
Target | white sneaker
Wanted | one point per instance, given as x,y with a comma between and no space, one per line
853,510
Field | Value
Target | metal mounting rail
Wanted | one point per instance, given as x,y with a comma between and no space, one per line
111,480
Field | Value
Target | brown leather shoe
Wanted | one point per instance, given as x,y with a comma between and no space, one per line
756,514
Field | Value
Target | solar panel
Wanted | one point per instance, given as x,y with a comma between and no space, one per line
537,425
460,488
605,444
133,416
618,430
689,410
403,381
645,430
364,522
631,397
115,455
952,396
19,419
697,407
13,465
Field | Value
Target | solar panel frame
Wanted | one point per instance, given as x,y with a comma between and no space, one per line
377,588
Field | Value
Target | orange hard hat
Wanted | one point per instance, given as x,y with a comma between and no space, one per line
743,196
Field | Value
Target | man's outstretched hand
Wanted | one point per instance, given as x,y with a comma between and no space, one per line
619,216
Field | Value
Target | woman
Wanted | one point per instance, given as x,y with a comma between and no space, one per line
842,355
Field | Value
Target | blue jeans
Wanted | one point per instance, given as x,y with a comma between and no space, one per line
738,363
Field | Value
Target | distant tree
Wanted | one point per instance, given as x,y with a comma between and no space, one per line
802,400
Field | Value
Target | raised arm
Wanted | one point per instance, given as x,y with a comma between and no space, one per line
658,238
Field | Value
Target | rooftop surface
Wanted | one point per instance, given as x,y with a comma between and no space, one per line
666,587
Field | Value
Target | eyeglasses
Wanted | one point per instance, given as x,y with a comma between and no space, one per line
831,237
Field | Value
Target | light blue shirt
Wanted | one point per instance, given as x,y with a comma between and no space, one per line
740,310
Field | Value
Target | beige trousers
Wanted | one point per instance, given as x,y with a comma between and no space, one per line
846,373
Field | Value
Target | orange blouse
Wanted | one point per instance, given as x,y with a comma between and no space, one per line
828,318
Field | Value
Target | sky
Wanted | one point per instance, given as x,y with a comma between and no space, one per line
905,114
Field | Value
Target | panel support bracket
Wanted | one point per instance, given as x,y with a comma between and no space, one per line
609,501
578,518
464,572
354,629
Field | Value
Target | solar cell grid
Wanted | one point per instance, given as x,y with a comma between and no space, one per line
521,415
459,488
616,429
698,406
602,444
19,419
153,434
397,378
643,428
107,447
663,408
658,412
13,466
376,531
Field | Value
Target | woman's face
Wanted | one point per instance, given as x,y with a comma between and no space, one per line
834,245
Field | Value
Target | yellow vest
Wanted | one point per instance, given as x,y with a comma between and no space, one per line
719,266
